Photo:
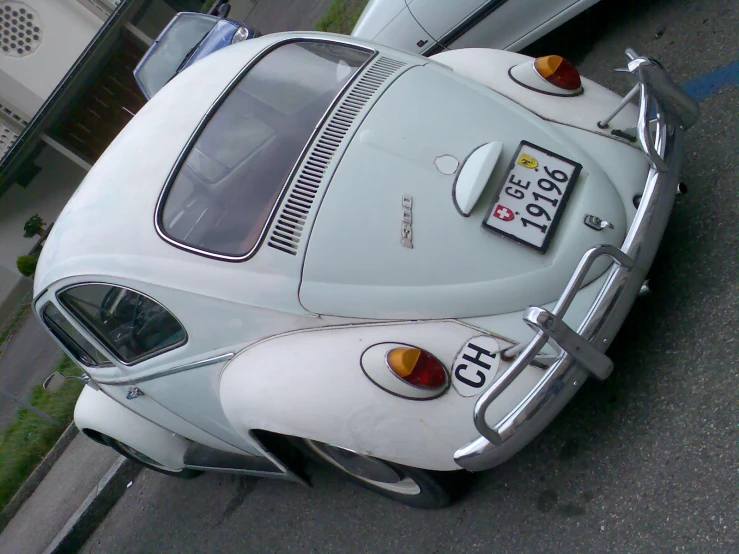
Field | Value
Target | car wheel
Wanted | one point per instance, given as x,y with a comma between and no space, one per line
133,454
414,487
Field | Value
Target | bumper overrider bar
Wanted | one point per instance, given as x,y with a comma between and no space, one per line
665,112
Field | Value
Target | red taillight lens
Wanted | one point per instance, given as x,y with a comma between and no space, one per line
559,72
417,367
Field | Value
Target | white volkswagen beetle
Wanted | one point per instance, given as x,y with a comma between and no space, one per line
405,266
429,26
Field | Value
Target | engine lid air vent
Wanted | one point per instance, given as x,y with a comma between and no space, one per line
293,213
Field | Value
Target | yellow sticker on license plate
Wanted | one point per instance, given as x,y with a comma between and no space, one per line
528,161
532,198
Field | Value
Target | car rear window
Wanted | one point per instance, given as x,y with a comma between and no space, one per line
131,325
225,190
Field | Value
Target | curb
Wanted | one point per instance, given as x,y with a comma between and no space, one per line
96,506
34,480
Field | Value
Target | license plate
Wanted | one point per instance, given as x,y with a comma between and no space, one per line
532,198
476,365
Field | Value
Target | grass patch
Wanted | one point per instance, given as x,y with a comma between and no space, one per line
11,324
207,6
341,16
25,442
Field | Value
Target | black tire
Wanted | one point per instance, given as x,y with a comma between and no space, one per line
130,453
437,489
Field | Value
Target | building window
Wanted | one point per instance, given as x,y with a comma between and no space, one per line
21,30
7,138
14,116
101,8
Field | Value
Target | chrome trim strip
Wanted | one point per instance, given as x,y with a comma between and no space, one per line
173,370
206,118
582,351
201,363
460,29
144,415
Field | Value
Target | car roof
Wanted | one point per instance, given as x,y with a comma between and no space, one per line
107,227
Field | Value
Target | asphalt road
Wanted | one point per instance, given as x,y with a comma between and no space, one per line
645,462
272,16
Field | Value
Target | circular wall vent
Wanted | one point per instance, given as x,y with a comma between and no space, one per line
20,29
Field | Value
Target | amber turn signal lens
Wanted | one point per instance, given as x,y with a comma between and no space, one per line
417,367
559,72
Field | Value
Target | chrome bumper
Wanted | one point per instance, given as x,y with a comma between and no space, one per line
581,353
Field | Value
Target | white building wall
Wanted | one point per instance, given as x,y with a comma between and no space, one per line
65,29
46,195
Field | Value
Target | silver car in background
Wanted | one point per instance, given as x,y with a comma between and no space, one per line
428,27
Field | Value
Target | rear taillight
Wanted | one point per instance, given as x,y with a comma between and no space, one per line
559,72
405,371
552,75
417,367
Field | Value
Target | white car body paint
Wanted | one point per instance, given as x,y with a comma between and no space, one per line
307,384
95,410
490,68
194,396
147,407
388,21
298,325
395,149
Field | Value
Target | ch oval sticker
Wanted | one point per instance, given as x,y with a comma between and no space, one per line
476,365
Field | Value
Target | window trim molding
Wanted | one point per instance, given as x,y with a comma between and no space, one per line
94,333
159,210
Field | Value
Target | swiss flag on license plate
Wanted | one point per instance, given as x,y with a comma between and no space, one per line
501,212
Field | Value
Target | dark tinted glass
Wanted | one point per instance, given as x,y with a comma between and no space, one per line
131,325
77,345
228,185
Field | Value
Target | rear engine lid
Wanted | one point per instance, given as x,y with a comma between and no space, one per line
399,171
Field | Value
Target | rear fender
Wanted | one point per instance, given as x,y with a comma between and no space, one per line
310,384
490,69
96,412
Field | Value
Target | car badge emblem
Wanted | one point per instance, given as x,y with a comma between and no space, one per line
406,226
594,222
501,212
528,161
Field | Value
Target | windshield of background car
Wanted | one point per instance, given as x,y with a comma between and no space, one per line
132,326
226,189
177,44
78,346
